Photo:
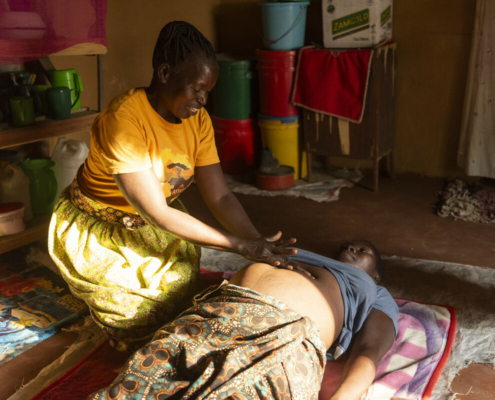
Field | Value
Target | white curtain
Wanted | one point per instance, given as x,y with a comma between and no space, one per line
476,154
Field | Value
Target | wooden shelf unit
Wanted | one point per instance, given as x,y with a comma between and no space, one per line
35,230
29,48
82,49
13,136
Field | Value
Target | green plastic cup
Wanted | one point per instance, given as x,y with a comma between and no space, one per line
42,184
58,100
71,79
22,109
41,89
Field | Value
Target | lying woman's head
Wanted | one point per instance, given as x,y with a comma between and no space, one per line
363,254
185,68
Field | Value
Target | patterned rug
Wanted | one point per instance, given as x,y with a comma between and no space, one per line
470,289
34,303
467,202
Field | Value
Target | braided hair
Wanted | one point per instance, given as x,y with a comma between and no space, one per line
177,41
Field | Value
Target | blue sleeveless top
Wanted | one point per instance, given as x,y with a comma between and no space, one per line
359,293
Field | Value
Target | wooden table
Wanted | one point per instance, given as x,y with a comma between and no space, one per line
374,137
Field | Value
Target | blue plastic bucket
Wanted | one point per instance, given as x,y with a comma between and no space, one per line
284,25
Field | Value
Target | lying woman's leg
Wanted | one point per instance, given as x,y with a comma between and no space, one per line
233,343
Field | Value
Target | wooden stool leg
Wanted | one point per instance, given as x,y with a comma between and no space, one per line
391,164
309,165
376,173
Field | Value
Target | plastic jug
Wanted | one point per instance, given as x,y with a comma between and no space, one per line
14,187
68,155
42,184
71,79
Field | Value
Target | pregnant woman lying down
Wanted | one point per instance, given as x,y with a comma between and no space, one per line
269,332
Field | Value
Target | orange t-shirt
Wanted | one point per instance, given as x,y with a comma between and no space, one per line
130,136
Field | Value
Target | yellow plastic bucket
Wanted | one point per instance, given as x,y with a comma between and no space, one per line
281,134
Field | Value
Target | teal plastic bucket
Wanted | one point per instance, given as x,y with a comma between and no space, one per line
284,25
233,92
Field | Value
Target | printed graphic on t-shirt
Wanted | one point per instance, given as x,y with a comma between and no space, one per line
179,173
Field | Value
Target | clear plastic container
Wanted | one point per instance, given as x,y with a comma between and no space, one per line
68,155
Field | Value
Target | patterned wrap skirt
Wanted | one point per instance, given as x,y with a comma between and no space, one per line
234,343
133,278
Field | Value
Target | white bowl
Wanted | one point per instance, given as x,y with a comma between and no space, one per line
12,222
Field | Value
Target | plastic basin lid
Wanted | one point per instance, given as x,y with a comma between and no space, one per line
282,170
283,120
234,58
9,207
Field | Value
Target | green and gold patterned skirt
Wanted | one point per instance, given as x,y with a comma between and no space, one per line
133,278
234,343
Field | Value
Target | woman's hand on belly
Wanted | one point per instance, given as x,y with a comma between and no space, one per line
256,250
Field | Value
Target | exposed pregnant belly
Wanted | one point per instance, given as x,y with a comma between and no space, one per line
319,299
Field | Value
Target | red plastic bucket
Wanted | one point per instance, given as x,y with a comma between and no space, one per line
237,144
276,76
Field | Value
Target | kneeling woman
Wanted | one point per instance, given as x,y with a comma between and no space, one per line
121,238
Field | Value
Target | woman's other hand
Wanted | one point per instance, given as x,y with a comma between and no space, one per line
271,250
294,265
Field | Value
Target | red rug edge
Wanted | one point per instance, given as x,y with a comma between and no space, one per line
446,352
445,356
71,371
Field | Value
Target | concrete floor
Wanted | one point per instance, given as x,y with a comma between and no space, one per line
399,220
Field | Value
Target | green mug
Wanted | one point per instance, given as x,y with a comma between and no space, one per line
42,184
58,100
22,77
22,109
71,79
41,90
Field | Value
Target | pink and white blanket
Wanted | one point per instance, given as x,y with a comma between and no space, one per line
411,367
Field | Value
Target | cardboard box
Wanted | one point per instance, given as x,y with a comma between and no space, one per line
356,23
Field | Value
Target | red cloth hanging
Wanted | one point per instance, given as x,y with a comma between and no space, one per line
333,82
32,29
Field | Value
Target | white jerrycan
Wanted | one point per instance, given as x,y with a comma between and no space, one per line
14,187
68,155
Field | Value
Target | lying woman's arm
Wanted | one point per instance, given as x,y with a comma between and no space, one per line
372,342
144,193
